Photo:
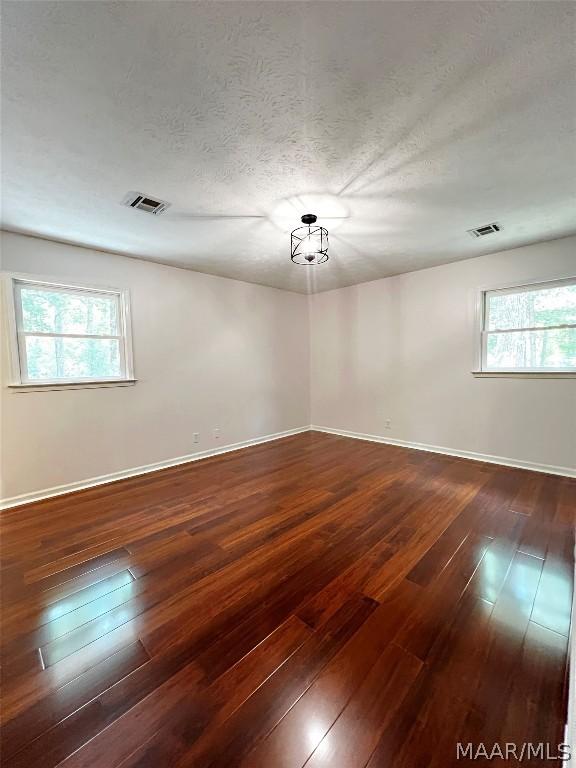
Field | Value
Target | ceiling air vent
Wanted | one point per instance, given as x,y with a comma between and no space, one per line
145,203
487,229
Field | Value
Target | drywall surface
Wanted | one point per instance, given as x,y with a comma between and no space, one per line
401,125
216,353
402,349
209,353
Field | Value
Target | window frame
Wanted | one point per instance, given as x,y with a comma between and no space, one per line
482,317
13,285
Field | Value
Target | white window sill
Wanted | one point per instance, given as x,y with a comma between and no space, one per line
524,374
55,386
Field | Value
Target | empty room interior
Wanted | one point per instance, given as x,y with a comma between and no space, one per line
288,385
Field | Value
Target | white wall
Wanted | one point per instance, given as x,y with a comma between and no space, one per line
211,352
401,348
208,352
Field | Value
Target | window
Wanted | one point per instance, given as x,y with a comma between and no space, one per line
69,334
530,328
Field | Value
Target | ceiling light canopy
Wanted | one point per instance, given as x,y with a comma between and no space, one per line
309,243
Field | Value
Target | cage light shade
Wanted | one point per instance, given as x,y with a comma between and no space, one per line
309,245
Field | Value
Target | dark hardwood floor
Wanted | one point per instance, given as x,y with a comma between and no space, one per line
313,601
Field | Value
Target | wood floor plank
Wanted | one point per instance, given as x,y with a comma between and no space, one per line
440,601
56,707
174,736
353,737
254,609
30,688
316,711
68,569
271,701
509,622
566,508
539,677
553,602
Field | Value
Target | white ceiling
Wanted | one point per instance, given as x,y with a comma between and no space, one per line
404,123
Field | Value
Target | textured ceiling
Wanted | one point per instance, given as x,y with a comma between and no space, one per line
403,123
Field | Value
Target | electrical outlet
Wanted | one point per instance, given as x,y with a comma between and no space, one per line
216,433
388,424
195,437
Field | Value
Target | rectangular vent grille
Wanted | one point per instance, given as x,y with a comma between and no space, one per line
487,229
145,203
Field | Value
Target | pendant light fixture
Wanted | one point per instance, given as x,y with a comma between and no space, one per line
309,243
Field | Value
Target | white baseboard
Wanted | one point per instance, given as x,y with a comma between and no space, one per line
547,468
28,498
